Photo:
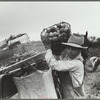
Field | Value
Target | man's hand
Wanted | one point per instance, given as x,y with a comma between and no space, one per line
45,40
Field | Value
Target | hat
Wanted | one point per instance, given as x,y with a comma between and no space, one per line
76,40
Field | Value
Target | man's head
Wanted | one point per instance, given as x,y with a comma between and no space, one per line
74,45
72,52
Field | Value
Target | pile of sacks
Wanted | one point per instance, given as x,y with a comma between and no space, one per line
57,33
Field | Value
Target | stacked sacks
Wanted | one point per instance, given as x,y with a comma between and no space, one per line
57,33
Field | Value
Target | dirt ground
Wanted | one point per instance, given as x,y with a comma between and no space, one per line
92,83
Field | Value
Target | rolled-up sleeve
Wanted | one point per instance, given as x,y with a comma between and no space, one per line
61,65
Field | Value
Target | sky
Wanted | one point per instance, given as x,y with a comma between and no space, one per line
31,17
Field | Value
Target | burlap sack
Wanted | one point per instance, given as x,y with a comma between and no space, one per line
38,85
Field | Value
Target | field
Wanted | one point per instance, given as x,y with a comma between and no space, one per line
92,83
91,80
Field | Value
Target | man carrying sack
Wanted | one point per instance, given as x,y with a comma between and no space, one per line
71,63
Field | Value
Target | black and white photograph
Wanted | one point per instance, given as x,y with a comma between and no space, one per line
49,50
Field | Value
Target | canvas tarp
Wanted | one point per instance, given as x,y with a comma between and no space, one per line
38,85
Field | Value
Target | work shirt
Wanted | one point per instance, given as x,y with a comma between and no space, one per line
93,60
75,67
